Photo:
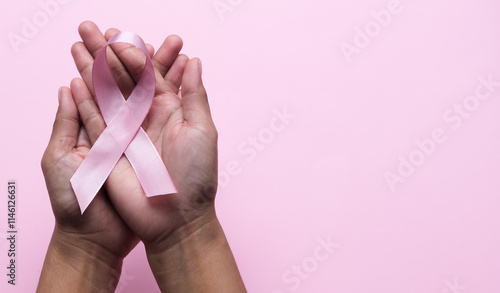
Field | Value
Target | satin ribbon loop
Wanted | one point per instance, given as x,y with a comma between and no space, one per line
123,134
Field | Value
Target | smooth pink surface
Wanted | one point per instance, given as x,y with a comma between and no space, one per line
305,137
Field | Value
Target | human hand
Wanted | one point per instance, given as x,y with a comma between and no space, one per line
86,251
186,246
179,125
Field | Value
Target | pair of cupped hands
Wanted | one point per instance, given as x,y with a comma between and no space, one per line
180,126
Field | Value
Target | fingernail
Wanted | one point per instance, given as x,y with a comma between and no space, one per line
199,66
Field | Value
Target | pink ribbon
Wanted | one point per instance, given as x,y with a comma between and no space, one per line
123,133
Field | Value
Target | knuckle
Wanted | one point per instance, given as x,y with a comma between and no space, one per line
92,118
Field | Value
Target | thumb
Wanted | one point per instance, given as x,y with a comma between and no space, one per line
66,125
195,106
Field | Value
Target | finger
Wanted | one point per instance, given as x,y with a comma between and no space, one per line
84,62
113,31
83,138
165,104
167,54
66,125
151,50
134,59
92,37
131,57
166,59
195,106
88,110
174,75
94,40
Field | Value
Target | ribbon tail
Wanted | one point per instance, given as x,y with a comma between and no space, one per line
149,167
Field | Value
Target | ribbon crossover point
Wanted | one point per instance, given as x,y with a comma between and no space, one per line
123,134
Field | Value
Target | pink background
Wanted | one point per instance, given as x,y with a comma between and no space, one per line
320,176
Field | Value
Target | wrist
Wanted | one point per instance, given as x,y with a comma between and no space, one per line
195,258
189,231
74,264
75,247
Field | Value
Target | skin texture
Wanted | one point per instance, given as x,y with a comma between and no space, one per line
185,243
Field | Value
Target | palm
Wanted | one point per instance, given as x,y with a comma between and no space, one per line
190,152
